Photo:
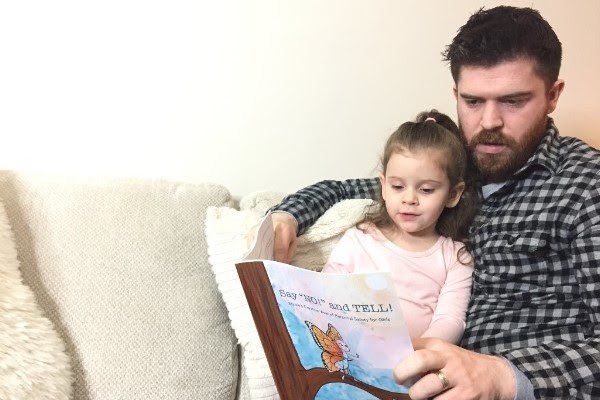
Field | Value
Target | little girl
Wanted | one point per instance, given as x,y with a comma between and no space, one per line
427,203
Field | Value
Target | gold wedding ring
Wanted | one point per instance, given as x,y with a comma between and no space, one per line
443,379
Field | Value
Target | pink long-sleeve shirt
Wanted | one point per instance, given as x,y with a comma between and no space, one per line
433,285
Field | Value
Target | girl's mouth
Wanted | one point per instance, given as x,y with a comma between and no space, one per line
408,216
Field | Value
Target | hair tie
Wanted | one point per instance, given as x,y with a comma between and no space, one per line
431,119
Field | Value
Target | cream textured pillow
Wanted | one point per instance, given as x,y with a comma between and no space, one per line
229,234
33,362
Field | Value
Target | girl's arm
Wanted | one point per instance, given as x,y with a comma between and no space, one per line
448,321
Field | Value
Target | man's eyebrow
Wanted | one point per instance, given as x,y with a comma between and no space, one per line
514,95
470,96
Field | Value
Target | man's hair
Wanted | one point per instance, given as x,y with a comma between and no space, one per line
505,33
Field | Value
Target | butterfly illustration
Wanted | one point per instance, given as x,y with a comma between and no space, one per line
336,352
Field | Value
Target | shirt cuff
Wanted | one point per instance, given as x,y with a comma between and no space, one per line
523,386
273,211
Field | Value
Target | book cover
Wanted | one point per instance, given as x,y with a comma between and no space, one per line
325,336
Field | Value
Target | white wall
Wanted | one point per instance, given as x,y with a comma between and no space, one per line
261,94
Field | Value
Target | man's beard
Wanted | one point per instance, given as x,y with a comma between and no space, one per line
499,167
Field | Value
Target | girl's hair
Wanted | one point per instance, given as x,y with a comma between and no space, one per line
433,130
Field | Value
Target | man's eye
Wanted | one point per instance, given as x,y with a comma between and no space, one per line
472,102
514,102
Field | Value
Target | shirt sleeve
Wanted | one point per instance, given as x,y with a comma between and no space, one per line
341,259
448,321
308,204
523,386
569,368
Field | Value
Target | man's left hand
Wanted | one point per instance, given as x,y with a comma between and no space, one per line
464,374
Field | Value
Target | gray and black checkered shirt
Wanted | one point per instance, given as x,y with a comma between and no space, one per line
536,245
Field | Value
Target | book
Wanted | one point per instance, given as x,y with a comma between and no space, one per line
325,336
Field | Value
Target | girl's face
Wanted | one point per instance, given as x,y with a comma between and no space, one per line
416,190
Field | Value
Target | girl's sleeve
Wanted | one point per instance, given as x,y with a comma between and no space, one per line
448,321
341,259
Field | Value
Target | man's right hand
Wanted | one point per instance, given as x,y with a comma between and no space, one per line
284,226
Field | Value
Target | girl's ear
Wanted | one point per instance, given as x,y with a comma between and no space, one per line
454,195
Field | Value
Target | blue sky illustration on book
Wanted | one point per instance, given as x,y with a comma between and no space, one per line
310,357
305,303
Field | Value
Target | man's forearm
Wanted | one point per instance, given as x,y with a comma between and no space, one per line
308,204
561,370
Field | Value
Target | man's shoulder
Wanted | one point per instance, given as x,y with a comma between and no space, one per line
577,158
574,151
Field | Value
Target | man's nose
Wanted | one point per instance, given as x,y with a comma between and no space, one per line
491,118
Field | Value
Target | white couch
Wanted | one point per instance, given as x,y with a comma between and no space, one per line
120,269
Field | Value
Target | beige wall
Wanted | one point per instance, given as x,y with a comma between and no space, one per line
253,94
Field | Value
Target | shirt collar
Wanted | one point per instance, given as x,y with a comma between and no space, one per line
547,153
488,189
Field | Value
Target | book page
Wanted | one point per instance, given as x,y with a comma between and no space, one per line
348,323
262,246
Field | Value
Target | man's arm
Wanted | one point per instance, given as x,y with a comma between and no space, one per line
300,210
570,368
308,204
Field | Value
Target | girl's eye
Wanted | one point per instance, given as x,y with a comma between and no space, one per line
397,187
427,190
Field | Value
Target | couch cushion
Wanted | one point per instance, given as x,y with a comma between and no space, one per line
120,267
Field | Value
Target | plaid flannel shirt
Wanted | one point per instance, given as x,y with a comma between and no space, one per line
536,245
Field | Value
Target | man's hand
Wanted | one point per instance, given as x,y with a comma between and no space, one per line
469,375
285,227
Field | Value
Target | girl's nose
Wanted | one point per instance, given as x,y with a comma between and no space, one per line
409,197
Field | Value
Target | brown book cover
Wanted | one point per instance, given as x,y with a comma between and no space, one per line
327,336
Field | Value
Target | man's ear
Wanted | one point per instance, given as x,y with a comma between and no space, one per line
454,195
554,94
455,92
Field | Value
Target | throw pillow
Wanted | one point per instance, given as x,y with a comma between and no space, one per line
33,361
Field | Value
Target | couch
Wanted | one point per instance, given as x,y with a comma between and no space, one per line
116,289
119,268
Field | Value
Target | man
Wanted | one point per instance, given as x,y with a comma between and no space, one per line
533,325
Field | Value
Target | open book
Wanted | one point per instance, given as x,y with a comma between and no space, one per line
325,336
